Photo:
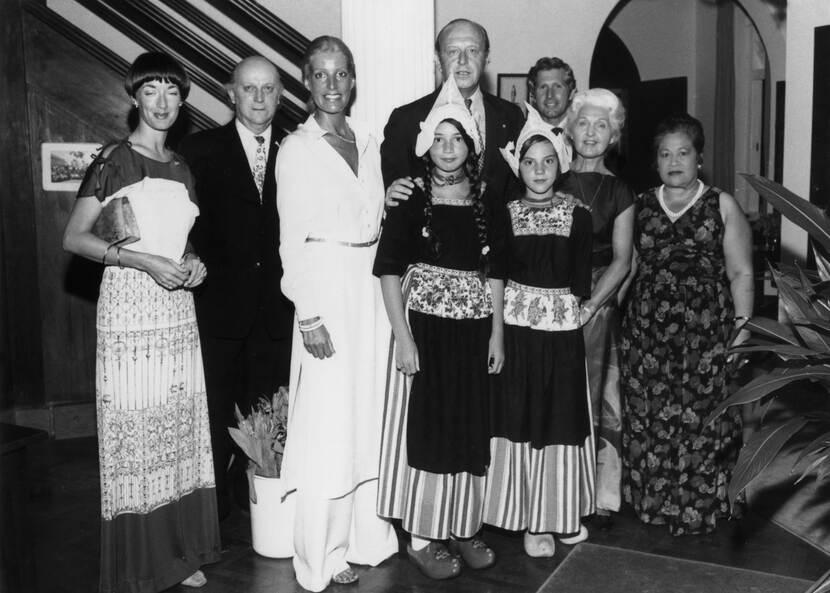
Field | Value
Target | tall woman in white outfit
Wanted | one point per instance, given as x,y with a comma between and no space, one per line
330,202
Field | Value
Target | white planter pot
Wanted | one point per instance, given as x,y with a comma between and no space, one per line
272,518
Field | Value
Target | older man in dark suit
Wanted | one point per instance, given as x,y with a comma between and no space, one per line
244,320
461,48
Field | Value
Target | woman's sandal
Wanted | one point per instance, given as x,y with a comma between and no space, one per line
435,561
345,577
196,580
539,545
474,551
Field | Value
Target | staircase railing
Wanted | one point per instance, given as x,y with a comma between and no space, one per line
101,52
209,67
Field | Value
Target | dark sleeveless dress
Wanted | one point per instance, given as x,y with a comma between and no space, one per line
674,372
607,196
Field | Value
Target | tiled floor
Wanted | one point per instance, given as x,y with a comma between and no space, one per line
65,507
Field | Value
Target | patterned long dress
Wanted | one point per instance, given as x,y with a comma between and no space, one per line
541,475
436,434
158,500
607,196
674,372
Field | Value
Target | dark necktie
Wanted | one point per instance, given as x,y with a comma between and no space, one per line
469,104
557,130
259,164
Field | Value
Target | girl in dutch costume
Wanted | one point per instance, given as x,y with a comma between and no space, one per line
441,269
542,471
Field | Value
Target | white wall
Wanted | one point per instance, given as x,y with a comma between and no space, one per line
522,31
803,16
311,18
662,51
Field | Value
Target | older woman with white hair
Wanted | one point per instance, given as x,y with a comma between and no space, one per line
595,123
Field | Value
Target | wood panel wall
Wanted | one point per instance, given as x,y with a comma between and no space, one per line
71,98
55,92
21,361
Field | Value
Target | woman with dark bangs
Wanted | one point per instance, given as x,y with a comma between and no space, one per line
158,500
441,269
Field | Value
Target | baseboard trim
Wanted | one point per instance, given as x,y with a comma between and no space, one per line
65,420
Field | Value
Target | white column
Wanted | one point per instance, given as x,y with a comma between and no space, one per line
393,47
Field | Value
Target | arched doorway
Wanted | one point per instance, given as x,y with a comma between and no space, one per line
646,103
678,53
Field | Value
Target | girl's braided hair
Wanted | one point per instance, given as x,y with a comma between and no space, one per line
479,207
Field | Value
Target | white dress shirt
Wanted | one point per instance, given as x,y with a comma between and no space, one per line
477,109
249,143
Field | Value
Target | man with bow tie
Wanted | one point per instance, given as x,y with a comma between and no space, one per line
462,49
244,320
551,87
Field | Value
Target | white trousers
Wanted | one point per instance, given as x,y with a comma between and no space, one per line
330,533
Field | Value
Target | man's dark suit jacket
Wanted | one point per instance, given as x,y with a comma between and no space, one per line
503,120
236,237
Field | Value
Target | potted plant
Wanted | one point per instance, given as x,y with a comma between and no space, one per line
800,343
261,436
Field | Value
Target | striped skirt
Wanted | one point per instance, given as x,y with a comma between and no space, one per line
540,490
429,504
542,469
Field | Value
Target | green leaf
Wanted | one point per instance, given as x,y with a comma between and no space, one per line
806,285
817,445
783,350
796,305
822,585
759,452
247,444
809,469
817,323
768,383
809,217
822,265
772,329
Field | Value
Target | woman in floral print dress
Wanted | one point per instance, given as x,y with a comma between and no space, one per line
692,290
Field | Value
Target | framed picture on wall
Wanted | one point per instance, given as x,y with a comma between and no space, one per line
513,88
64,164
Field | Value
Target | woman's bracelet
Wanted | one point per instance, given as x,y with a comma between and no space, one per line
740,318
118,256
307,325
106,251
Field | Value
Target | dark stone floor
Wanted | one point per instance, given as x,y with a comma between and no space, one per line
65,507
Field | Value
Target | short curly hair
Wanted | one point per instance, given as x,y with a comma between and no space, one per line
604,99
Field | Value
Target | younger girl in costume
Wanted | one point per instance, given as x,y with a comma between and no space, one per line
542,470
447,324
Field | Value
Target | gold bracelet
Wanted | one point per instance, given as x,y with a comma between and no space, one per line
106,251
118,256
